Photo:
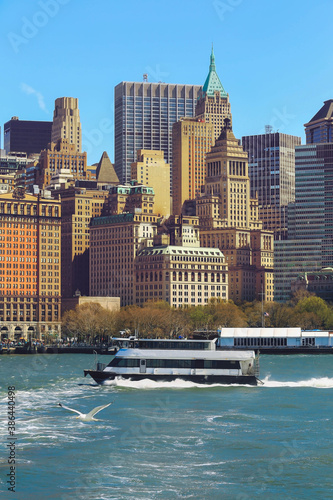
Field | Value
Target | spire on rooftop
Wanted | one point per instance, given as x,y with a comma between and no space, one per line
213,83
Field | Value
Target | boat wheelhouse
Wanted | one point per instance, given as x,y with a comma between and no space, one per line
167,360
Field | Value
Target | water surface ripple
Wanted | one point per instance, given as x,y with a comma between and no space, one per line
169,440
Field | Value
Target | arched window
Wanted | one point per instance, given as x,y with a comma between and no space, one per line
180,276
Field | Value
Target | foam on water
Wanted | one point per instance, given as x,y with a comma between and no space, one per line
153,384
40,420
317,383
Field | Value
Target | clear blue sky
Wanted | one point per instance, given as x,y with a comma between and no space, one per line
274,58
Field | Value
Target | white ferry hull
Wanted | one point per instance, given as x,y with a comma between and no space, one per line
101,376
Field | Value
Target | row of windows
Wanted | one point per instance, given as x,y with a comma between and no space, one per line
28,209
171,344
260,342
175,363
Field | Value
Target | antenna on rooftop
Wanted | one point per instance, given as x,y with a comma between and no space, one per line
145,77
268,129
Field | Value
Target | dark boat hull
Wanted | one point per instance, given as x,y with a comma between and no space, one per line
101,376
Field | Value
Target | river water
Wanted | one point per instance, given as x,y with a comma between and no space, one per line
167,440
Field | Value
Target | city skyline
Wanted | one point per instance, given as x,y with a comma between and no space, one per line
272,70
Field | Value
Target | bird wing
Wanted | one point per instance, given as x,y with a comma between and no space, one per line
97,409
70,409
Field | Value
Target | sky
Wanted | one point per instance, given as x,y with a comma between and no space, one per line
274,58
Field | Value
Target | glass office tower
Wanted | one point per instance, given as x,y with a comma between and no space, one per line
272,177
309,247
144,115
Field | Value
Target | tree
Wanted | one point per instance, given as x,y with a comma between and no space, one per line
200,317
315,312
300,295
179,324
128,318
88,321
228,315
253,313
280,315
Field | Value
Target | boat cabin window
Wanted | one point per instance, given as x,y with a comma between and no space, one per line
175,363
125,362
173,344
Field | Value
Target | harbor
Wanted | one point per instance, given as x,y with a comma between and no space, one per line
161,440
29,348
270,341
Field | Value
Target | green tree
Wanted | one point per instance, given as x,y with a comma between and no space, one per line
300,295
200,317
314,312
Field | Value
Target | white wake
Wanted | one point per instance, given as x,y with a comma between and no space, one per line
317,383
154,384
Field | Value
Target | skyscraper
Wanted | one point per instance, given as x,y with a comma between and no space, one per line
78,207
66,121
61,155
320,127
229,221
114,242
30,260
150,169
23,136
194,137
310,233
272,177
213,105
144,115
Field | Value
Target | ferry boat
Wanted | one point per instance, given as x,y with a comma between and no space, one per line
199,361
276,340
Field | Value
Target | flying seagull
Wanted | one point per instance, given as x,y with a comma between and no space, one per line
86,417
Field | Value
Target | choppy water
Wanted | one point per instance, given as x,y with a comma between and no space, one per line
169,440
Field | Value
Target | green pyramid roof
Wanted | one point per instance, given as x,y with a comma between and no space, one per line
213,83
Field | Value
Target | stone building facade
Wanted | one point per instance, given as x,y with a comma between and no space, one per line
229,221
30,266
